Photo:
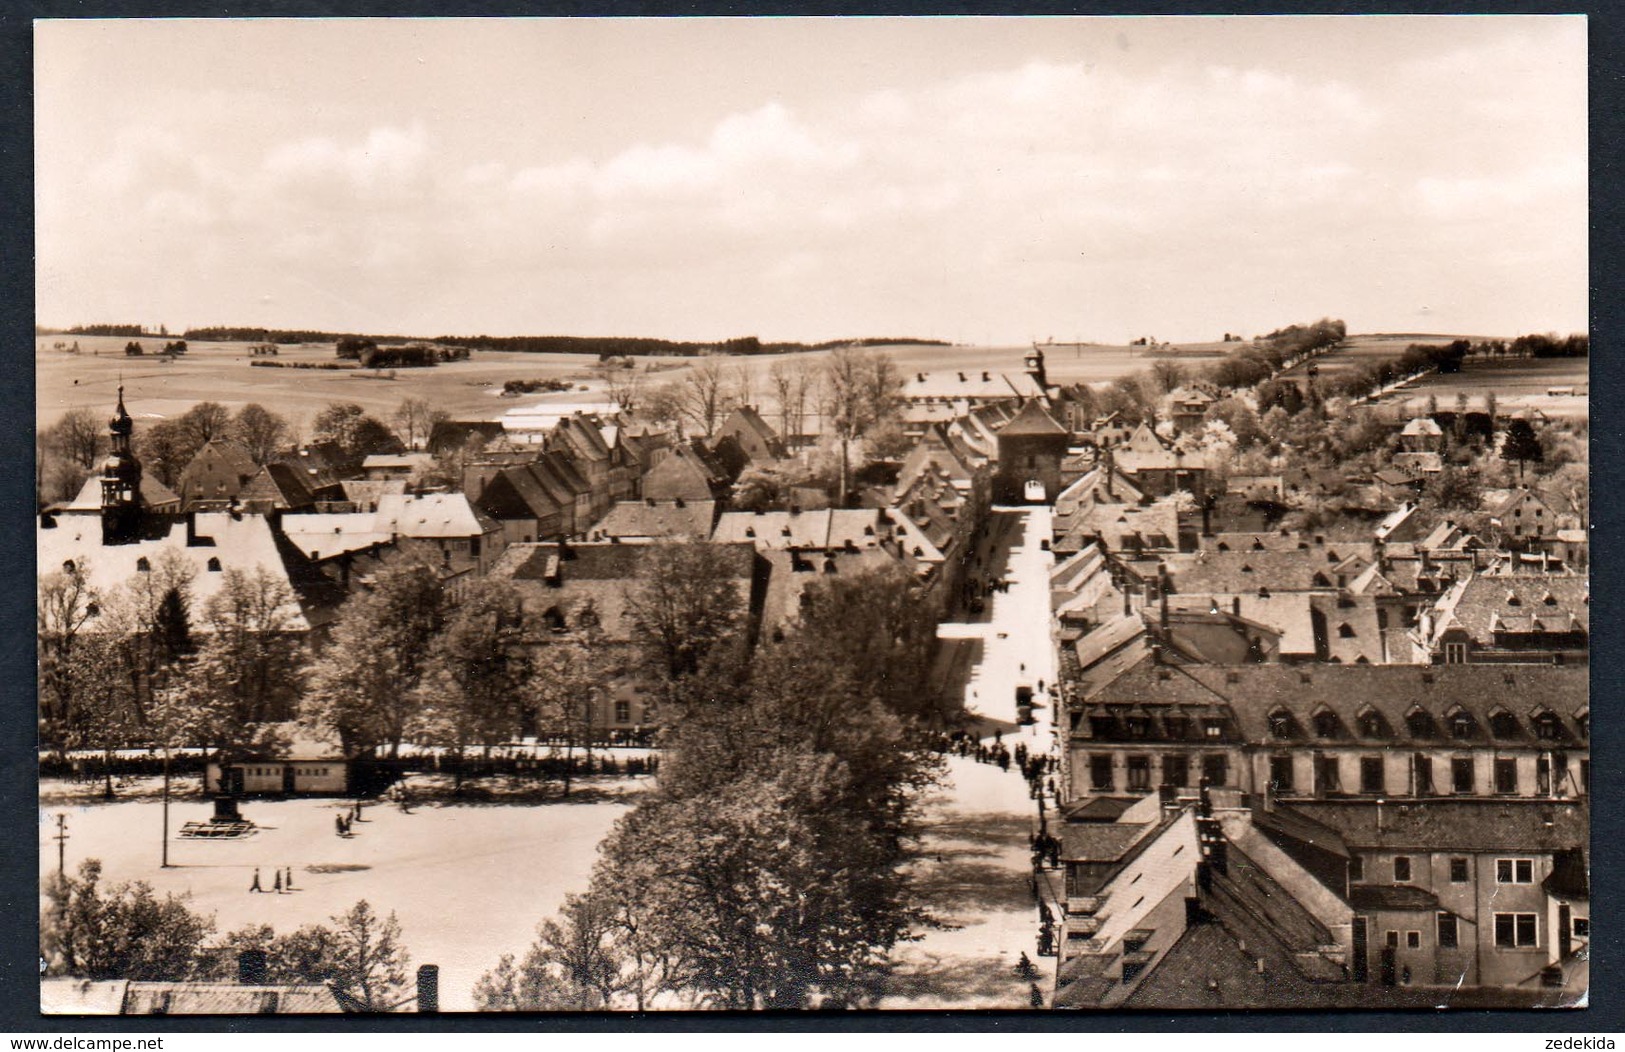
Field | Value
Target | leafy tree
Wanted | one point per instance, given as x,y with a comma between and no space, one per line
573,966
356,434
359,953
1521,444
203,423
688,608
66,605
1456,488
121,932
363,685
260,431
478,671
248,670
861,390
568,677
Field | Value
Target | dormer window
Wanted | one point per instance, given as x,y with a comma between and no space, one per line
1547,726
1419,722
214,564
1327,724
142,565
1282,725
1503,724
1513,600
1462,724
69,567
1372,725
1345,631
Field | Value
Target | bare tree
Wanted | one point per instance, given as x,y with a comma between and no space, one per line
620,379
78,436
704,394
414,418
793,385
744,384
861,389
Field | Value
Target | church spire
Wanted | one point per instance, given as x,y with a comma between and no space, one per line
121,481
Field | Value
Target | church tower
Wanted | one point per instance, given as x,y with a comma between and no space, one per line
121,482
1035,367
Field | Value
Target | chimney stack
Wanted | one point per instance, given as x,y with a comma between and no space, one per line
251,967
429,988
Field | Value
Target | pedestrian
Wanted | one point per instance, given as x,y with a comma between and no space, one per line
256,885
276,884
358,810
1036,997
290,878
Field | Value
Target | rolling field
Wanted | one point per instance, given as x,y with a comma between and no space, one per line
1361,350
1517,384
156,388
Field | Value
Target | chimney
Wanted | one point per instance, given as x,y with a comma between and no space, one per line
1235,605
429,988
251,967
191,529
986,377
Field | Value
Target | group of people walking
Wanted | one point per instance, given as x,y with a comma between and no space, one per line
343,821
277,884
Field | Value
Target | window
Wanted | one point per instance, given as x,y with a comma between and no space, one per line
1585,776
1372,725
1213,728
1139,773
1423,765
1391,937
1514,871
1548,727
1461,725
1448,937
142,565
1581,926
1503,724
1326,776
1326,724
1402,869
1543,775
1515,930
1281,774
1413,940
1455,653
623,712
1138,726
1281,724
1506,776
214,564
1216,769
1176,770
1356,869
1458,871
1370,774
1420,723
1461,775
1178,727
1344,631
1100,772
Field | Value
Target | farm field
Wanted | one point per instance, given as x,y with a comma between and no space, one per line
156,388
1518,384
1361,350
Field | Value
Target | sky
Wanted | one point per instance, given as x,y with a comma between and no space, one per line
981,180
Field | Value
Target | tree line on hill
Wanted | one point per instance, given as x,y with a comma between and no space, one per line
603,346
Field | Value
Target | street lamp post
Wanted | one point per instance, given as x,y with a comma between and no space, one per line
164,863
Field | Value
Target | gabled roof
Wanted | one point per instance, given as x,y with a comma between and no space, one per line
224,540
1526,825
154,495
1483,604
1423,426
1031,420
436,515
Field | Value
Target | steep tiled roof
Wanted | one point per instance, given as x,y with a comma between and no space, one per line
1455,825
666,520
1485,603
1031,420
1236,573
224,540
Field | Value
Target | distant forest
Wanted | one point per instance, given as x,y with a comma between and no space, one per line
602,346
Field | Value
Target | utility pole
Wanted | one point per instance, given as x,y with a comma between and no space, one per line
164,861
61,839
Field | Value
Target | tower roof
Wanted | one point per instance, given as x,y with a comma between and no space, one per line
121,424
1032,420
